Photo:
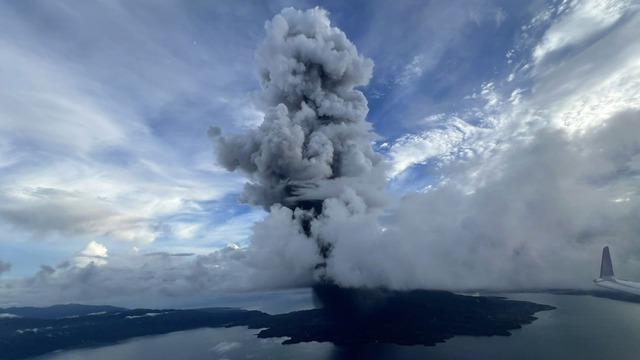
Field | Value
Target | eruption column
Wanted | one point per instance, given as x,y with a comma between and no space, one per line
314,143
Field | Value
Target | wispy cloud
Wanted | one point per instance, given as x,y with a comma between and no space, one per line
92,142
577,22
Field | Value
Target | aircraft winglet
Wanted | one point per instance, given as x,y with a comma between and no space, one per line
606,267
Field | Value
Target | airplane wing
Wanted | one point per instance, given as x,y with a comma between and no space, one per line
608,279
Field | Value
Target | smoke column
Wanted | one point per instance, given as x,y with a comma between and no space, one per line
313,150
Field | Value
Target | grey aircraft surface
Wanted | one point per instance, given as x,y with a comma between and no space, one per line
608,279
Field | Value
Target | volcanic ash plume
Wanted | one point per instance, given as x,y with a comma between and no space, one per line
311,158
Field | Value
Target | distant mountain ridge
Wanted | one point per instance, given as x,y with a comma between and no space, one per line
59,311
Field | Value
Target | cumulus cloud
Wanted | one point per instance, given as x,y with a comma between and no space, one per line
95,254
134,279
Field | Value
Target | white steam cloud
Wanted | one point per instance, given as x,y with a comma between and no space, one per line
533,216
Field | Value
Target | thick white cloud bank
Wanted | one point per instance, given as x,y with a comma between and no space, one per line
534,216
525,198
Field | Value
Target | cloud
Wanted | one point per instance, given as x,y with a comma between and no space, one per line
165,254
590,85
543,190
185,230
237,229
583,90
95,254
528,175
314,128
440,143
4,267
457,136
43,210
544,208
412,70
314,143
225,346
476,200
532,198
88,142
579,21
134,280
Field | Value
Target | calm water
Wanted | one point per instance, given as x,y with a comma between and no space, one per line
582,327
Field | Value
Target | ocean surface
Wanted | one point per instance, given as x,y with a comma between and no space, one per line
582,327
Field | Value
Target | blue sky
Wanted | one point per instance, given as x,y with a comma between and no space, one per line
105,106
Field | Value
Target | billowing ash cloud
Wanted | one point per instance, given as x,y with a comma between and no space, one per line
313,148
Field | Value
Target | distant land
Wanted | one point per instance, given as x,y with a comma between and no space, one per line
347,316
59,311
